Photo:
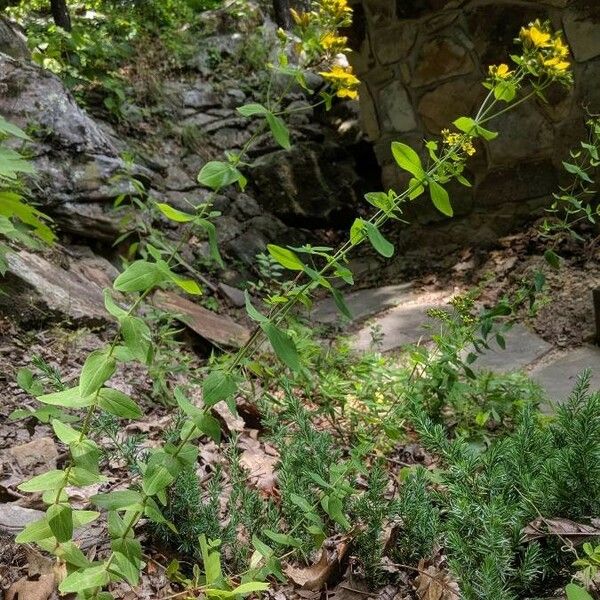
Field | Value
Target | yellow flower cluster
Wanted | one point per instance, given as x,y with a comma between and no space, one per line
452,139
338,10
330,41
548,51
501,71
343,80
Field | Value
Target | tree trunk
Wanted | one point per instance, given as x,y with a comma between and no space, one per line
60,14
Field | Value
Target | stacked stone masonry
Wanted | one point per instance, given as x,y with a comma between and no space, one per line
422,63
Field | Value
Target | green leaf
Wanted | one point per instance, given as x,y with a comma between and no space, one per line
552,258
35,532
70,398
211,560
139,276
65,433
12,205
70,553
279,130
136,336
189,286
216,175
128,558
377,240
112,307
156,478
209,426
10,129
119,404
379,200
117,500
283,345
80,477
440,198
338,298
250,587
83,517
286,258
576,592
576,170
85,579
86,455
486,134
466,125
505,90
416,188
218,385
408,159
98,368
173,214
357,231
51,480
249,110
252,312
213,243
283,539
60,521
333,507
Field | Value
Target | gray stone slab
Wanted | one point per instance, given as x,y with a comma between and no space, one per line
400,326
558,377
362,303
522,348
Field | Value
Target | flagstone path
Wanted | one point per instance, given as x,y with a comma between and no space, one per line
396,316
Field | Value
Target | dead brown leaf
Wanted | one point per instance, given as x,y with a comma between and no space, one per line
315,577
42,578
26,589
576,533
434,583
259,460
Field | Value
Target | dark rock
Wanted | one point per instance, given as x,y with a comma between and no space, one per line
37,288
75,159
12,41
311,182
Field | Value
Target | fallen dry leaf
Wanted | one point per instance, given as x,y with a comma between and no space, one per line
315,577
434,583
259,464
41,581
26,589
576,533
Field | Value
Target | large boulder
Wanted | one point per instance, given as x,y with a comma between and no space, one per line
74,158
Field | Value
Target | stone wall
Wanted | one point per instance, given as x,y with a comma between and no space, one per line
422,63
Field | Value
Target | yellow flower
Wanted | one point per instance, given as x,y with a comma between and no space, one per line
330,40
347,93
560,48
301,19
338,9
535,34
341,76
556,64
500,71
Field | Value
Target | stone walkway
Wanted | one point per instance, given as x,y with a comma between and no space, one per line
397,316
